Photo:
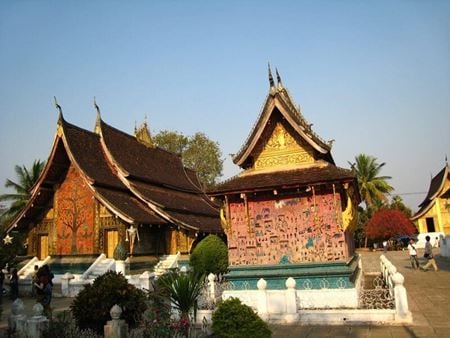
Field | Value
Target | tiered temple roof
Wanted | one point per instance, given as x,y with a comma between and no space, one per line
134,180
283,150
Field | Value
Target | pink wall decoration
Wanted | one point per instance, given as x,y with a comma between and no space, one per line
303,229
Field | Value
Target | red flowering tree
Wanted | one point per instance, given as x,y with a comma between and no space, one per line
389,223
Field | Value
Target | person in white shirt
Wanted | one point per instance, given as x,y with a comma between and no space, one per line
413,254
428,254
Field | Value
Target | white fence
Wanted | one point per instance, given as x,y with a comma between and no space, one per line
325,306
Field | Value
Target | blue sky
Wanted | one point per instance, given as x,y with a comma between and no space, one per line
373,75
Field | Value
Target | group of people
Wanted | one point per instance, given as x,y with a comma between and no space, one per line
428,255
10,276
42,287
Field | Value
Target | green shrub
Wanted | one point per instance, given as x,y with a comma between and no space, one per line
63,325
210,255
92,305
233,319
183,290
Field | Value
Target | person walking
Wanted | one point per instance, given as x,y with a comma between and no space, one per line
413,254
14,285
34,279
428,254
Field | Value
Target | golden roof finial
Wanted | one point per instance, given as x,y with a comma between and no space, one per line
142,134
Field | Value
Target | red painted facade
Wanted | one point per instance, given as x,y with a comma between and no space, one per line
75,210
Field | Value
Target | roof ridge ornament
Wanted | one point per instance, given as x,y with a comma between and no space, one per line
98,119
271,81
59,109
97,108
279,83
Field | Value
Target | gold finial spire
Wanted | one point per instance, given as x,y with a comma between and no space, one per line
142,134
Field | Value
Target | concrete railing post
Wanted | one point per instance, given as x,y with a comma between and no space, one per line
65,284
17,319
145,279
291,301
212,286
115,328
262,299
402,312
38,323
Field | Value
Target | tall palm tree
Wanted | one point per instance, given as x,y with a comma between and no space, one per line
372,187
26,180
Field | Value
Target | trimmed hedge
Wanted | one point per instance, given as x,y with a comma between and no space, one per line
232,319
210,256
92,305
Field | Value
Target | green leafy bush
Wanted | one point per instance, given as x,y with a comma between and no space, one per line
233,319
210,255
183,290
92,305
64,325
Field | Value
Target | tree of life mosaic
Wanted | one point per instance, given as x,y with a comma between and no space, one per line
75,220
295,230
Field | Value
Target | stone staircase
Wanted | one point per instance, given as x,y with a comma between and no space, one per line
27,270
99,267
166,263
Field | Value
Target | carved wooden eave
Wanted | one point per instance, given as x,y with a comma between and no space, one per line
280,100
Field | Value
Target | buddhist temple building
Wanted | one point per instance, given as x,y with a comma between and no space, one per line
98,185
434,211
291,211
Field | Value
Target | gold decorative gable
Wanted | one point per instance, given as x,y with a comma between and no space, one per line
282,150
103,211
143,135
50,214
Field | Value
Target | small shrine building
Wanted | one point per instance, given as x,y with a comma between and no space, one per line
434,211
291,211
97,186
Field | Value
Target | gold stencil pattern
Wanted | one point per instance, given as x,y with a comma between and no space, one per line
281,149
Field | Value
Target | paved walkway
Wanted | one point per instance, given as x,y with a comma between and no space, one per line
428,299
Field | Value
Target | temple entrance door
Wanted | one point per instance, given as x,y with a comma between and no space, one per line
43,247
112,238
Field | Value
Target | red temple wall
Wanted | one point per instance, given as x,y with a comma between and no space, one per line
75,207
299,229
